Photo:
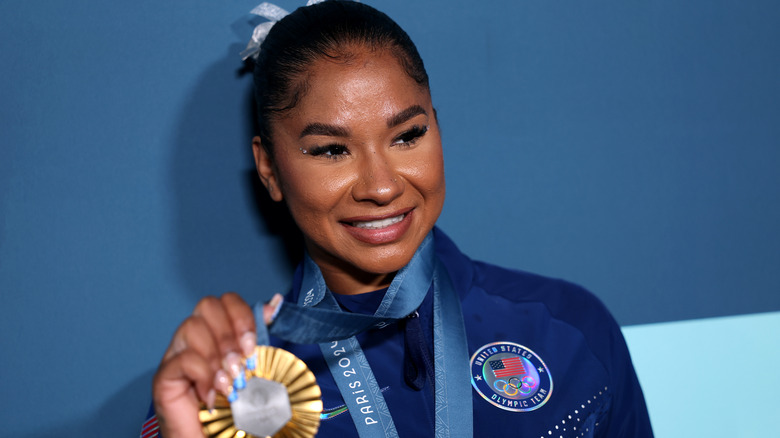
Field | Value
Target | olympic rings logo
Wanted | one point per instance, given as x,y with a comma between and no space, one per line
525,386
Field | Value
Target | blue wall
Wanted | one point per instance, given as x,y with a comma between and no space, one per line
630,147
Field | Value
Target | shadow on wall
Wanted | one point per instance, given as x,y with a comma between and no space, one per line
6,171
229,234
120,416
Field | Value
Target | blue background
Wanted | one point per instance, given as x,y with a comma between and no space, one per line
632,147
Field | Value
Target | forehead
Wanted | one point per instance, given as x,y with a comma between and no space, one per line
364,85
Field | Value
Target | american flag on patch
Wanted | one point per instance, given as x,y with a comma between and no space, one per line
511,366
150,429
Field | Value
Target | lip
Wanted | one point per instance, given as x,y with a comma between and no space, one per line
381,236
375,218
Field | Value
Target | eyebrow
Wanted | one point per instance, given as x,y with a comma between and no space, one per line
412,111
338,131
324,129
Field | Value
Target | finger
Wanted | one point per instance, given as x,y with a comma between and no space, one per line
196,335
180,385
213,311
243,321
185,371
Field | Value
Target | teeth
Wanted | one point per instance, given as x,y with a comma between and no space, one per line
382,223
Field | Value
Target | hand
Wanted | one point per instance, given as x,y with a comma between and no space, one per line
204,357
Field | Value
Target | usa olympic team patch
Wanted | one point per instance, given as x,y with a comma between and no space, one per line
511,376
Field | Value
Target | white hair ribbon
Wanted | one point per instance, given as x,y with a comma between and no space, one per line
272,13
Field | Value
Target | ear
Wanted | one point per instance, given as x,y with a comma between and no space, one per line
266,169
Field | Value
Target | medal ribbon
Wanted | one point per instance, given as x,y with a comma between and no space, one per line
318,319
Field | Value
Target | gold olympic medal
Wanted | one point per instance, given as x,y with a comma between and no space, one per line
281,399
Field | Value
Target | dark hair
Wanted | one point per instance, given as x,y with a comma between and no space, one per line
331,29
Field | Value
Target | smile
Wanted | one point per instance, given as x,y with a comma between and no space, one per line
380,230
379,224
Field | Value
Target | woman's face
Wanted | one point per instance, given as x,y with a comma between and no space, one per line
359,162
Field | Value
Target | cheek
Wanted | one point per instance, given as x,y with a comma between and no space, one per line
437,171
312,192
436,186
429,173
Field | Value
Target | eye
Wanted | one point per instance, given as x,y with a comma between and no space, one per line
331,151
410,137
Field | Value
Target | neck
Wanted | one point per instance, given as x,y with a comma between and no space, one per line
353,283
344,278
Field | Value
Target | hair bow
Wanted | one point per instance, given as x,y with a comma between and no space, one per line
272,13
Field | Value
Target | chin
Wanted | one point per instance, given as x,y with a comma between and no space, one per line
385,261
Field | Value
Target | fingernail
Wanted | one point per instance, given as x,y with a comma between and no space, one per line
273,307
239,382
211,398
248,343
276,303
233,396
179,345
251,362
232,364
222,382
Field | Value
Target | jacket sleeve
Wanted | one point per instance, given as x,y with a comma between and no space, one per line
628,415
150,428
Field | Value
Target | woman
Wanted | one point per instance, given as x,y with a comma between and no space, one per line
349,140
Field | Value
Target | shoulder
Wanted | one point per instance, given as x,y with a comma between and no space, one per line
552,314
549,302
563,299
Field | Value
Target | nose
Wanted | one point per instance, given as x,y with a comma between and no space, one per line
377,181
